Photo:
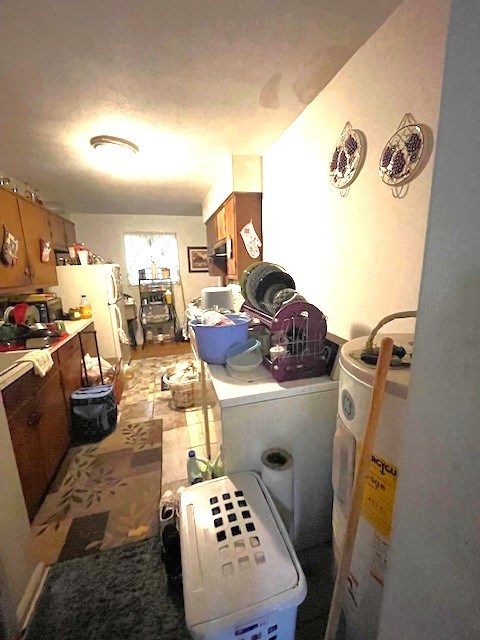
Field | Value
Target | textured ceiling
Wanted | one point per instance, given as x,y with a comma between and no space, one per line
189,81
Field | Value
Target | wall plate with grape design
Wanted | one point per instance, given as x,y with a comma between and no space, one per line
347,157
400,160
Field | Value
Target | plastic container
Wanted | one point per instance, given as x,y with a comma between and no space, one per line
246,356
194,473
214,342
218,468
198,468
85,308
241,577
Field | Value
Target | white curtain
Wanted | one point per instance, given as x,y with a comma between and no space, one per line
143,249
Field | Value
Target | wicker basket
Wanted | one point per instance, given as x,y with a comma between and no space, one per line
185,394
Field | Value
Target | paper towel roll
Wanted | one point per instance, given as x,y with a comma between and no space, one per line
277,474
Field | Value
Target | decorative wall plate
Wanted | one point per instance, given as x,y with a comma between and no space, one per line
400,159
347,158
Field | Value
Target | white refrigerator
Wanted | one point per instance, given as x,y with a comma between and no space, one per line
102,285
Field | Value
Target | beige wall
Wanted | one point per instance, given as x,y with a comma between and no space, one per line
432,581
358,258
103,234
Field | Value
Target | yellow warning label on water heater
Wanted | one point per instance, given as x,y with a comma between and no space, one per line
379,494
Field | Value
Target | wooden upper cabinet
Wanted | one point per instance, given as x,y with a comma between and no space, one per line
57,231
231,237
225,225
16,275
214,269
70,237
220,225
36,228
241,209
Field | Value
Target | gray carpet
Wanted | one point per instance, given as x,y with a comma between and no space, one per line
120,594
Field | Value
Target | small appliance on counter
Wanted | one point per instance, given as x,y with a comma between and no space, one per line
15,337
297,347
48,304
219,298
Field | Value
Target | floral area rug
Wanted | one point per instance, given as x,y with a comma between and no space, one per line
104,496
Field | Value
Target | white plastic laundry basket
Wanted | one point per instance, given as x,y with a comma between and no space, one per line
241,577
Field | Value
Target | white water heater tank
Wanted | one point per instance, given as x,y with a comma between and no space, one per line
364,591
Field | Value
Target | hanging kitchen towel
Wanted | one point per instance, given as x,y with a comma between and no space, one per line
9,252
251,240
41,359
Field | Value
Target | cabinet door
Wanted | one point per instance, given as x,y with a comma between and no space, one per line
70,236
57,231
70,359
16,275
52,426
220,225
211,231
35,228
248,206
28,454
211,228
231,238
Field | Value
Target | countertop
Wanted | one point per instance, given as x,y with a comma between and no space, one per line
14,368
232,392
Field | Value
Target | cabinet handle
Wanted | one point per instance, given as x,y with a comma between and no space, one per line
33,419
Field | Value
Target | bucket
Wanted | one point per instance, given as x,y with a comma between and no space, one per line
214,342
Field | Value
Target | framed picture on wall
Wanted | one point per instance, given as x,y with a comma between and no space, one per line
197,259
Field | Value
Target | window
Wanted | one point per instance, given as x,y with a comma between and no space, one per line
141,249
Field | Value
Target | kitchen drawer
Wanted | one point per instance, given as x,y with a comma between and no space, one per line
68,351
20,391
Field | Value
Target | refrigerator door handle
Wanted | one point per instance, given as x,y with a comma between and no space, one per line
118,318
114,286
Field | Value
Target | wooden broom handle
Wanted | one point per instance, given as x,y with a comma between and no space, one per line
379,383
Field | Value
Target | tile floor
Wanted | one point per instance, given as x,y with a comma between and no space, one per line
183,429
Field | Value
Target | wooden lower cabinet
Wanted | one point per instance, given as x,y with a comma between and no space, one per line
38,413
52,426
28,454
39,432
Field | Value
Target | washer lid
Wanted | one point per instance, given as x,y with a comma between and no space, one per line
398,380
234,555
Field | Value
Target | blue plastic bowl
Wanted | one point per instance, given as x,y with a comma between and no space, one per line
214,342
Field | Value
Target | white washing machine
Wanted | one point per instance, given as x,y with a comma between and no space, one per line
299,416
364,594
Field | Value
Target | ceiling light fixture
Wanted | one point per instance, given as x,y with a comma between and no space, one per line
99,142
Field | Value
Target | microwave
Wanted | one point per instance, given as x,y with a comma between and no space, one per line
50,310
